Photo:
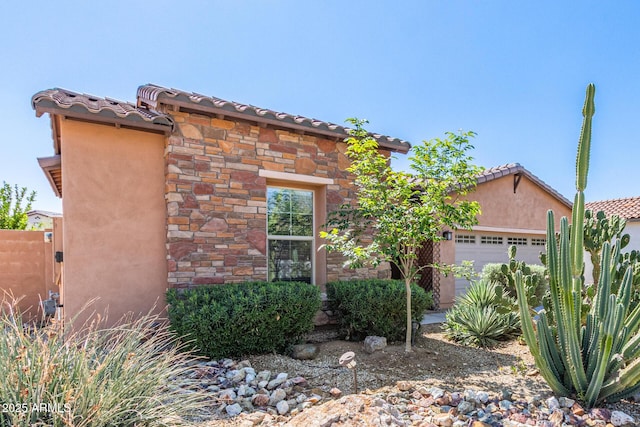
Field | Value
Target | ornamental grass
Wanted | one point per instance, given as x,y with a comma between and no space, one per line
134,373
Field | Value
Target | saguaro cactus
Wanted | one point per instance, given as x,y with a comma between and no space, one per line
600,359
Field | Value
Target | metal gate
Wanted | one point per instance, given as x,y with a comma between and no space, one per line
429,279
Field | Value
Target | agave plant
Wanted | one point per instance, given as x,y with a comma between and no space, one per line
598,359
482,317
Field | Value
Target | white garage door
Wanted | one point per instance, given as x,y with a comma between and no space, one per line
484,248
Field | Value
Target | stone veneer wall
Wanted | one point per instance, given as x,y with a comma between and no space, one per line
216,199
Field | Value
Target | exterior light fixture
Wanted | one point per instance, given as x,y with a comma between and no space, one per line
448,235
348,360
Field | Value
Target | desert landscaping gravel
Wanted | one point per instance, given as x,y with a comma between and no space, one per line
438,384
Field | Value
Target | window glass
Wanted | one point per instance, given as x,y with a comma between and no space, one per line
290,260
290,234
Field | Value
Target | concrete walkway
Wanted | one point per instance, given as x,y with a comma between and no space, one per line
433,317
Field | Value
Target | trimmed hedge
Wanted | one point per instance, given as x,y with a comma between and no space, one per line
376,307
246,318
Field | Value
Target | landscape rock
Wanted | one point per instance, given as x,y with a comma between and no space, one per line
282,407
278,380
404,385
305,351
288,402
260,400
619,418
233,410
277,396
374,343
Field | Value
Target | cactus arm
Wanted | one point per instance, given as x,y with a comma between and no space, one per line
601,363
554,279
627,377
624,293
608,331
626,393
604,284
592,350
552,249
584,144
571,317
633,320
631,349
530,337
548,346
577,239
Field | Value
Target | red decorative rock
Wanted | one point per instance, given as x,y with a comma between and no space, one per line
258,239
215,224
202,188
179,250
326,146
267,135
305,166
208,280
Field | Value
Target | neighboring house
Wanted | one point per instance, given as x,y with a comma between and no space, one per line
626,208
514,205
41,220
181,189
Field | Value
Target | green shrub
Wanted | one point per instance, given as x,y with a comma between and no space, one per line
537,286
376,307
246,318
90,376
482,317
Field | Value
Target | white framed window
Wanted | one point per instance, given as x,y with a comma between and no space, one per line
538,242
518,241
491,240
290,234
466,238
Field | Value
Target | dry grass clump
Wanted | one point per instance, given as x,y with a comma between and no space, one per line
123,375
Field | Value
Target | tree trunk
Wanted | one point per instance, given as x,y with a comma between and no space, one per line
407,344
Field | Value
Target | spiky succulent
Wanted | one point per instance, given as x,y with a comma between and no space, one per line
598,359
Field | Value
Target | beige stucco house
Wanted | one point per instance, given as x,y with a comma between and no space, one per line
181,189
514,204
41,220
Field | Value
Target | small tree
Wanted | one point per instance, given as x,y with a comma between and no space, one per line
398,212
13,215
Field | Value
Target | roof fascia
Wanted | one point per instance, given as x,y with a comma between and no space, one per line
71,113
190,106
49,165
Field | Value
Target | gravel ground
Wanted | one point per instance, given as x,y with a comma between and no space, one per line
434,362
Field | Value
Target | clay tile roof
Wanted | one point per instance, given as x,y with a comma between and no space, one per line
516,168
45,213
150,96
627,208
72,104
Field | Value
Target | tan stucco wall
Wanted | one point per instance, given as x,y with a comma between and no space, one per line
26,261
525,209
114,218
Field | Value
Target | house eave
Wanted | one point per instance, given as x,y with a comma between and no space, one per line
153,97
52,168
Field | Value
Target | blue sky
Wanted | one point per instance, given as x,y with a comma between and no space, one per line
514,72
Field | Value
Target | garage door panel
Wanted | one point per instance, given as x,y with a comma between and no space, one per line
486,248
